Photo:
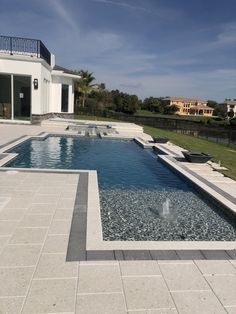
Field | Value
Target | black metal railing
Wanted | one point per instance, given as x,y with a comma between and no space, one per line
24,46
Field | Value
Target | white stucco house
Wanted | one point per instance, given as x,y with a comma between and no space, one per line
32,86
230,106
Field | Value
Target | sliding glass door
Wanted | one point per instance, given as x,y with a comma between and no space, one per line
15,97
5,97
22,97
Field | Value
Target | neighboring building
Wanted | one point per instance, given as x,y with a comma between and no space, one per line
230,105
190,106
32,87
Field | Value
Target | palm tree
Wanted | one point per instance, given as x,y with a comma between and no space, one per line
84,86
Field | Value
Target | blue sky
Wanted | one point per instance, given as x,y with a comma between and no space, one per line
144,47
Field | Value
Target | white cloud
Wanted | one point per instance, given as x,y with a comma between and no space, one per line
122,4
227,35
64,14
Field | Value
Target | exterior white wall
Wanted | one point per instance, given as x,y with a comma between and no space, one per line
47,98
56,91
229,109
28,67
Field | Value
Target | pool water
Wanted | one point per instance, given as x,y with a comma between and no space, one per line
140,198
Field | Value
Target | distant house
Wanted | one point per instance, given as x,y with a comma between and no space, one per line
189,106
32,87
230,105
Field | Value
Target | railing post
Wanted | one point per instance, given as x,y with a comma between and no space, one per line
11,46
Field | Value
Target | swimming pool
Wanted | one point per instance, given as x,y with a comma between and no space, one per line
141,199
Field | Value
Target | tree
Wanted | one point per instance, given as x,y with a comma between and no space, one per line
84,86
171,109
231,113
220,110
212,103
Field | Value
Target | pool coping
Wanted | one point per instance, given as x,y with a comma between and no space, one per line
90,242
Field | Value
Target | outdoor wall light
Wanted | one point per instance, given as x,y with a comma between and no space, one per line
36,84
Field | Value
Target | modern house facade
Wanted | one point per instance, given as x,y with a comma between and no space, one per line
189,106
32,87
230,106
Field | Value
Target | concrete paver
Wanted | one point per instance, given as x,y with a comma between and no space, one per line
224,287
106,277
139,268
28,236
146,293
216,267
15,281
11,305
55,266
51,296
183,277
195,302
20,255
105,303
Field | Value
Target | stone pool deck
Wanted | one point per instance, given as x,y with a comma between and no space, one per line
35,219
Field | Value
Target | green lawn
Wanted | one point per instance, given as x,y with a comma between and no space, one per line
221,152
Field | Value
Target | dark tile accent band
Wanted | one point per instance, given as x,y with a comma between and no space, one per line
77,241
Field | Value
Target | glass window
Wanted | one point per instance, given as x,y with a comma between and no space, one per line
64,97
5,96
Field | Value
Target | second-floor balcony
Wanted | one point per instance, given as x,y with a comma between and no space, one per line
24,46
